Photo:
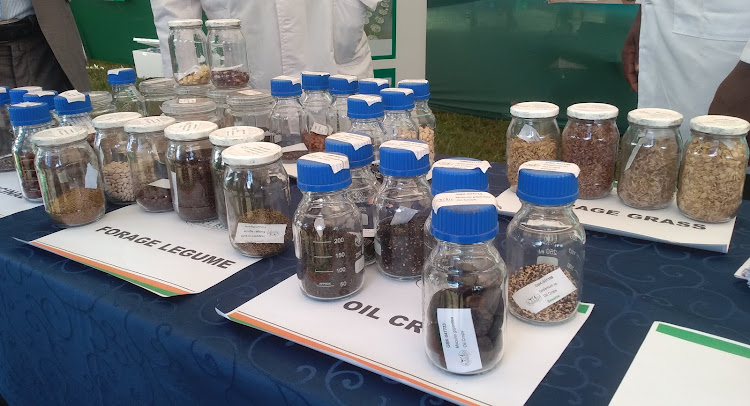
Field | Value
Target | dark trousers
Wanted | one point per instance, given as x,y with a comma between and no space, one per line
29,61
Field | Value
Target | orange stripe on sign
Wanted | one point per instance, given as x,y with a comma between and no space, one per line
111,269
322,347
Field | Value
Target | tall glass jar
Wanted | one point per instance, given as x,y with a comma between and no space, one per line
228,56
257,199
221,139
188,51
251,108
545,245
422,113
74,108
111,146
191,92
219,96
6,132
464,285
126,96
402,206
712,177
590,140
147,150
327,229
650,158
69,176
155,92
364,187
533,134
372,86
101,103
398,123
366,114
317,103
340,88
288,120
47,97
198,109
27,119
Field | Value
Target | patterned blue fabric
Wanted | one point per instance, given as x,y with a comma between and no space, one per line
73,335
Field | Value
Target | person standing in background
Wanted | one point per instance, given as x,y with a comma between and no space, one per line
40,46
284,37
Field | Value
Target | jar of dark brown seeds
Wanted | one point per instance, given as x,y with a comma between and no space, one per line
533,134
147,154
228,54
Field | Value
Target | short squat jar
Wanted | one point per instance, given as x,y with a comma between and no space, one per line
69,175
188,51
101,103
197,109
533,134
252,108
147,155
219,96
256,189
111,146
228,54
155,92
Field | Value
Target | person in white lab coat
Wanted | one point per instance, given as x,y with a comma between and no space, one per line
284,37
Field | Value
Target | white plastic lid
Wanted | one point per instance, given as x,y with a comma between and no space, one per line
251,154
226,137
43,93
114,120
720,125
657,118
593,111
226,22
59,135
187,22
534,110
149,124
190,130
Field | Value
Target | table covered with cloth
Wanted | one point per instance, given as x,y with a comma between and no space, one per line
70,334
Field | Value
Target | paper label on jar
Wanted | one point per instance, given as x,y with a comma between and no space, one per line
162,183
92,177
636,148
173,177
459,340
260,233
319,225
359,265
187,101
83,122
74,95
297,242
403,215
417,148
544,292
368,232
529,134
365,219
321,129
367,98
484,166
336,162
62,177
295,147
462,199
355,140
552,166
377,247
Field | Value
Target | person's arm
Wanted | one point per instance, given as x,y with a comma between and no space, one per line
732,98
165,11
630,52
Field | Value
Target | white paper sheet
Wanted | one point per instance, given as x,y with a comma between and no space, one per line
11,199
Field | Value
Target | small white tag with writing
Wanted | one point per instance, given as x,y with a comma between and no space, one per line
459,340
544,292
260,233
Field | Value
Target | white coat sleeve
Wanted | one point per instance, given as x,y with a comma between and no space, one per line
165,11
348,28
746,53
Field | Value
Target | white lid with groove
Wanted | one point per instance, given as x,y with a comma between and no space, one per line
251,154
114,120
226,137
149,124
593,111
190,130
59,136
534,110
720,125
657,118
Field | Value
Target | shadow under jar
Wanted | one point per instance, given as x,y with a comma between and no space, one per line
147,150
533,134
111,145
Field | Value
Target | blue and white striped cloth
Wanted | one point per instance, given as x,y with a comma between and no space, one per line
10,9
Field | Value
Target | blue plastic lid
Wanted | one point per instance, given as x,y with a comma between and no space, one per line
404,158
16,94
4,95
323,172
548,187
29,113
446,178
364,106
465,223
286,86
44,96
72,102
342,84
397,98
421,87
372,86
121,76
315,80
356,147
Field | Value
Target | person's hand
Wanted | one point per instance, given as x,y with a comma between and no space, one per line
630,53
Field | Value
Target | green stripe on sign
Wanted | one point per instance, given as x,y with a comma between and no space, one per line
583,308
703,340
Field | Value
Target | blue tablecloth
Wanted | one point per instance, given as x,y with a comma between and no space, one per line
70,334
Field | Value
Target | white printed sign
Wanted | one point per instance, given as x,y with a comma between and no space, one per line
544,292
260,233
11,199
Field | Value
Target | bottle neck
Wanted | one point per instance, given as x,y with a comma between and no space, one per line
287,100
335,196
364,122
123,86
396,114
419,181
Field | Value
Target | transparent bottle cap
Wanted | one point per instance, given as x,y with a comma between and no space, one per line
59,136
114,120
188,106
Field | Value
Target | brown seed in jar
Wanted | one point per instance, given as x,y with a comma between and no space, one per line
520,152
651,179
558,311
593,147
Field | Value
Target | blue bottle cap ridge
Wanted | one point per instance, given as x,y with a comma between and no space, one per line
403,162
358,158
420,87
48,98
547,188
342,84
468,224
315,80
63,106
29,113
314,176
282,86
121,76
4,95
372,86
397,98
364,106
445,179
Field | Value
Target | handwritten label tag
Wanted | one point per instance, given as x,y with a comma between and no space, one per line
462,164
162,183
462,199
336,162
544,292
260,233
552,166
459,340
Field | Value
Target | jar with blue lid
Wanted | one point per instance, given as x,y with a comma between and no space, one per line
288,120
340,87
6,132
372,86
366,115
74,108
27,119
398,123
317,103
16,93
422,114
126,96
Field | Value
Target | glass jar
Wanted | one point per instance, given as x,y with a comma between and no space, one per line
257,199
47,97
69,176
6,132
188,51
288,120
27,119
74,108
147,150
198,109
317,102
101,103
713,169
327,229
111,146
402,206
372,86
221,139
228,60
155,92
340,88
364,187
126,96
590,140
533,134
366,114
398,123
191,92
16,94
545,245
422,113
464,285
219,96
251,108
650,158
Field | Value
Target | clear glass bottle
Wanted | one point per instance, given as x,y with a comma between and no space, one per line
364,187
465,284
198,109
327,229
147,150
69,176
221,139
228,56
74,108
340,88
188,50
317,103
16,93
545,245
402,206
533,134
126,96
257,199
712,176
190,175
366,114
422,114
111,146
251,108
47,97
288,120
372,86
27,119
6,132
155,92
590,140
398,123
101,103
650,158
219,96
